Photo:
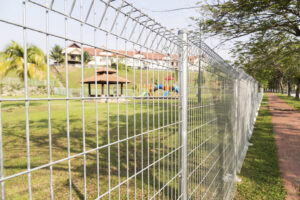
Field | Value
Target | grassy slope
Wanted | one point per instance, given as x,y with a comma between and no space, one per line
75,76
291,101
137,78
260,173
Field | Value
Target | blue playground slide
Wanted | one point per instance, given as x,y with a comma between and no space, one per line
166,93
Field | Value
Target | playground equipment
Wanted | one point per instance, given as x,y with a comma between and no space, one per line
169,87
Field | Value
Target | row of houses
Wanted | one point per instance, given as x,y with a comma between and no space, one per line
134,58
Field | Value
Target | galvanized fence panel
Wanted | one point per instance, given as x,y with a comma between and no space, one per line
155,115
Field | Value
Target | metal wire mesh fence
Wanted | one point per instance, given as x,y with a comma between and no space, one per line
222,108
157,115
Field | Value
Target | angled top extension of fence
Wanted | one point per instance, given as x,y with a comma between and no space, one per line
142,112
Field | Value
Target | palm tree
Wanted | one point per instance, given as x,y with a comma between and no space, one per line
12,58
56,54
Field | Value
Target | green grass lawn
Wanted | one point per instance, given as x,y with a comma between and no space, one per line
290,100
260,172
141,118
158,143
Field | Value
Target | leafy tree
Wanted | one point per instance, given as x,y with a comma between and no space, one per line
87,57
270,61
237,18
271,50
269,21
56,54
12,58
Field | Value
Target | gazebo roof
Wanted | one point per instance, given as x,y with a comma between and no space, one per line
102,79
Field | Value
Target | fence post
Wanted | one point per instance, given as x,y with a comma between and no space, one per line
183,68
236,120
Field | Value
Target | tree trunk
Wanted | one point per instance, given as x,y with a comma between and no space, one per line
289,88
281,85
298,90
281,89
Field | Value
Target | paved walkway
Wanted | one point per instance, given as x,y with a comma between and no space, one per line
286,122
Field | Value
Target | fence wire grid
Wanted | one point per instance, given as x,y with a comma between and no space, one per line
155,115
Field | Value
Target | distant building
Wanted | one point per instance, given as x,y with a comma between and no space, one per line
74,54
131,58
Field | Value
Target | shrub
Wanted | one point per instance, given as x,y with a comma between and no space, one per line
121,66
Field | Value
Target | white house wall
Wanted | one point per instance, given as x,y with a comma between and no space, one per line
137,62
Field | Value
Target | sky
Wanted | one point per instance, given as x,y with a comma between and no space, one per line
181,19
12,11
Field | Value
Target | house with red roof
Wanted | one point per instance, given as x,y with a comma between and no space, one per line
131,58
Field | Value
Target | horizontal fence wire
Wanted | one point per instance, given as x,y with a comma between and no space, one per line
106,103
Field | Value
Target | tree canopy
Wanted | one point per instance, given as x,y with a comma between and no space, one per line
56,54
12,58
237,18
267,35
86,57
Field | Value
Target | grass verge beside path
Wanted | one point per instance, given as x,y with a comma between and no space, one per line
260,172
290,101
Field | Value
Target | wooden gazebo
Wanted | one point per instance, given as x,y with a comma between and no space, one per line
105,76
